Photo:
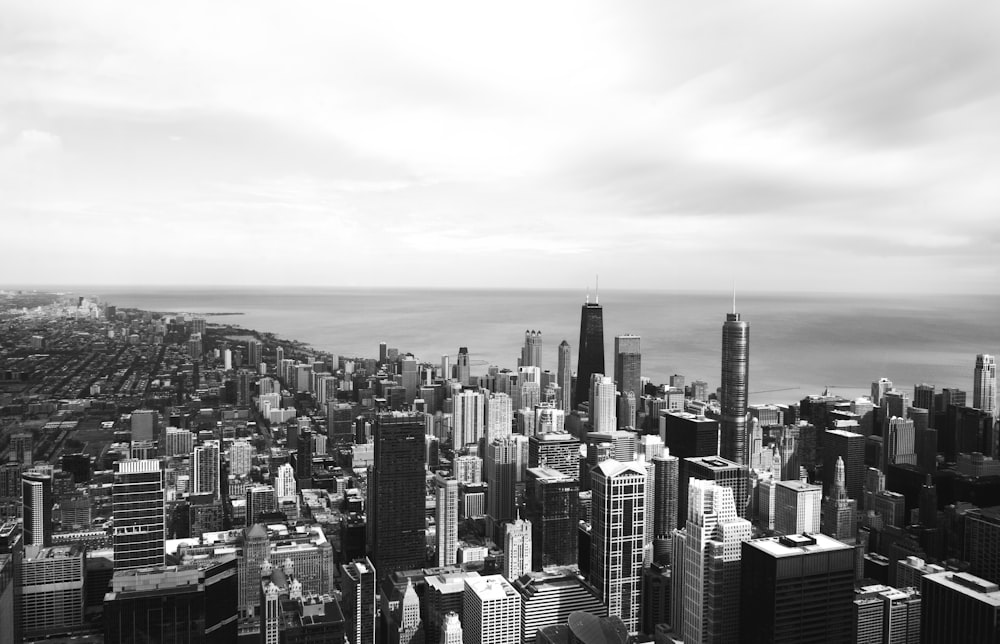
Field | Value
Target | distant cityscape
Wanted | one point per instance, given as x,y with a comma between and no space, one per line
172,477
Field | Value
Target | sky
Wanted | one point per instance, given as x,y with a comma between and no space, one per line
840,145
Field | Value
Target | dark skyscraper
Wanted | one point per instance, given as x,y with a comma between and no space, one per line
552,506
590,358
628,364
396,493
565,377
37,499
531,353
735,377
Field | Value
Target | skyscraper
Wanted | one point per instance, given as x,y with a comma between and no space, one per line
505,457
959,607
664,511
628,364
517,546
706,566
491,611
735,376
849,446
358,582
795,589
797,507
618,529
446,518
984,387
531,353
552,505
590,358
840,513
206,468
36,499
396,493
602,403
564,377
468,413
137,493
463,371
499,416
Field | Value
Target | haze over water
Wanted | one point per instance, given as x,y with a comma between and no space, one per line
799,343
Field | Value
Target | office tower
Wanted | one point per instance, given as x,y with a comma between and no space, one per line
242,388
982,542
410,376
22,448
602,403
686,435
451,629
531,353
627,410
849,446
664,508
284,483
564,377
590,357
618,528
505,460
886,614
628,364
499,416
839,511
718,470
240,457
383,352
491,611
517,547
255,548
206,468
928,503
193,602
144,424
900,443
137,493
923,397
255,353
797,588
463,371
358,582
959,607
552,506
706,566
446,517
548,419
8,609
879,389
984,387
735,375
548,599
656,599
891,506
51,590
179,442
36,500
528,392
261,500
797,507
468,468
468,415
396,493
910,571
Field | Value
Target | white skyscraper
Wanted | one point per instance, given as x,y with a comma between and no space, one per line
499,416
900,442
446,516
284,483
517,549
240,457
206,468
603,403
618,530
451,629
491,611
706,576
984,386
467,416
797,507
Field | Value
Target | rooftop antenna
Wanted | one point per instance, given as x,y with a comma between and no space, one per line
597,289
734,296
588,295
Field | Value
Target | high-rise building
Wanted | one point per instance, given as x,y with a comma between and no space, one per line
899,445
255,353
618,529
446,518
463,370
8,609
51,589
284,483
797,588
548,599
396,493
517,546
603,403
735,378
531,353
628,364
22,448
552,505
982,542
797,507
984,387
564,376
137,494
590,358
358,582
206,468
663,512
840,513
718,470
706,566
261,500
468,415
192,603
491,611
499,416
849,446
36,500
879,389
959,607
506,460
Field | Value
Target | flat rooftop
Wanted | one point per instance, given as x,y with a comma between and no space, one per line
798,544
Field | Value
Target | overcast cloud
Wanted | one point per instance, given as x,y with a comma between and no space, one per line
842,145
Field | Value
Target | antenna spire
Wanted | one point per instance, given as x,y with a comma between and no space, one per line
588,295
597,289
734,296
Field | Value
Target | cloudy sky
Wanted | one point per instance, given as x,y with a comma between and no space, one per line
841,145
